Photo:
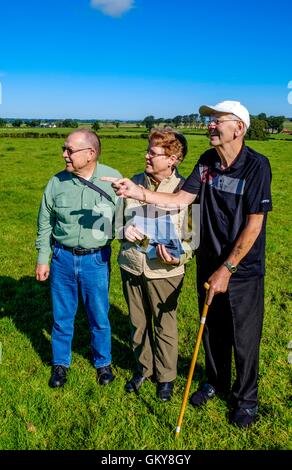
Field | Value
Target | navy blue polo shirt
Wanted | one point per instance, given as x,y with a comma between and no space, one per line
226,198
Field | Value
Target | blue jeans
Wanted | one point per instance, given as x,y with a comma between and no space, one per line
90,273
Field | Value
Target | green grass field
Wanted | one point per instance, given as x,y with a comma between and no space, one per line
84,415
288,124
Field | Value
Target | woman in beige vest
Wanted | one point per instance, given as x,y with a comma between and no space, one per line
152,265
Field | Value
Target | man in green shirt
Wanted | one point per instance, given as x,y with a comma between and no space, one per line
77,222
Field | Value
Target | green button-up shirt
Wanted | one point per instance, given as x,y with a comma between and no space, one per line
74,214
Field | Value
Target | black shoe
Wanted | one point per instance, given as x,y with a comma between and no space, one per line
243,417
58,378
135,383
164,390
201,397
104,375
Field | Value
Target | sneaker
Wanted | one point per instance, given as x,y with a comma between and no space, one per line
243,417
201,397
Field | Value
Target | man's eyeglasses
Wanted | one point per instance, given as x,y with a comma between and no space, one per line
216,121
71,151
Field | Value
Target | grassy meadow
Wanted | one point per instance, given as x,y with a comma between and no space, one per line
288,124
84,415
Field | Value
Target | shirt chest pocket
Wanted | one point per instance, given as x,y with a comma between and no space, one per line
97,200
64,209
93,206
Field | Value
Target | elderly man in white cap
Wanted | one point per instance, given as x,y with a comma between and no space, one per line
232,184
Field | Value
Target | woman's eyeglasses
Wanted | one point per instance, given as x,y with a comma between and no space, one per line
154,155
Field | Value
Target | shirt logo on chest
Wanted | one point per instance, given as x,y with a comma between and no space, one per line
221,182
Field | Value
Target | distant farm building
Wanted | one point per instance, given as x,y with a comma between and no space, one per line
47,124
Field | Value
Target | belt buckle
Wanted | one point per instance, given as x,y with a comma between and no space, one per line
78,251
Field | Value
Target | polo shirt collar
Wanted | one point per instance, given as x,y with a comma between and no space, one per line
238,162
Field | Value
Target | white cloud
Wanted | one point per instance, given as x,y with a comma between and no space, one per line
112,7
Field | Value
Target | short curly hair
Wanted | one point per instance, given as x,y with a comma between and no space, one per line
173,142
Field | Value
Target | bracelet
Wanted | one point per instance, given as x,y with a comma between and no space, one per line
144,194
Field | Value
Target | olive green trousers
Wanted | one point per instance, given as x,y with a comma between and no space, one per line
152,305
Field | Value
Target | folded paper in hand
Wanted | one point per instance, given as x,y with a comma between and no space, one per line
158,230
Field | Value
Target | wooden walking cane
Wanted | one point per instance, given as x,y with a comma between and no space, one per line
193,363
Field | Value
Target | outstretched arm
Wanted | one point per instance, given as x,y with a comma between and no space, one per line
126,188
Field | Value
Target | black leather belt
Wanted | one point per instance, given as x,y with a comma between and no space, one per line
80,251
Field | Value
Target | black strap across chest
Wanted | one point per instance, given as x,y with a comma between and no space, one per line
96,188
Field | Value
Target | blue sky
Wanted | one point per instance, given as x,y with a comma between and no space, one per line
125,59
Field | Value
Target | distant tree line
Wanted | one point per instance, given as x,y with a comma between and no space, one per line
194,120
260,126
71,123
96,125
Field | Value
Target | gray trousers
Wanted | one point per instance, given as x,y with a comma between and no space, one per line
152,305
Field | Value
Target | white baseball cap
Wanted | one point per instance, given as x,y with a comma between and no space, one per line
230,107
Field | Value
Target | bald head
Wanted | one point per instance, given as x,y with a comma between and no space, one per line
89,139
